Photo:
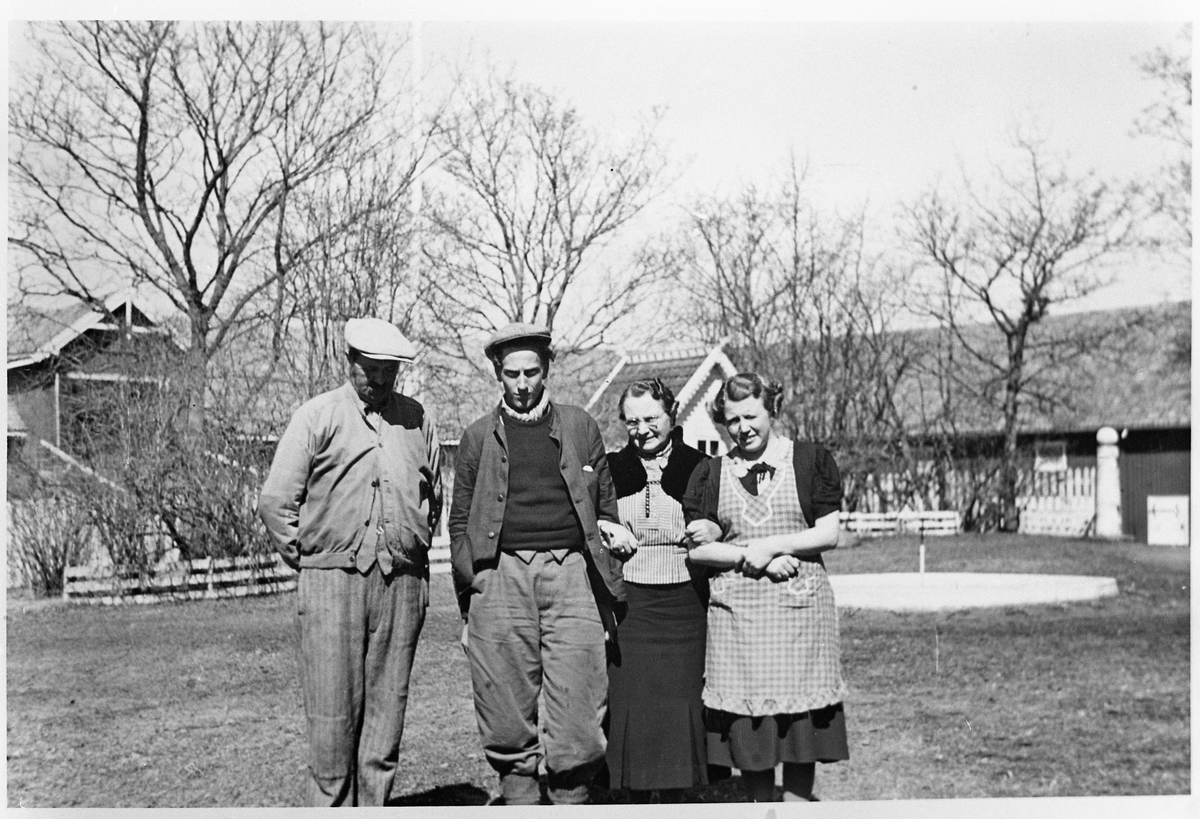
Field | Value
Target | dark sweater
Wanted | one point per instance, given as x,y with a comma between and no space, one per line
538,515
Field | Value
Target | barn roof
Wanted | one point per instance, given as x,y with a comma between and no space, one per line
1126,368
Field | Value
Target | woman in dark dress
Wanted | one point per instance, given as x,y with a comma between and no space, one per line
760,517
656,734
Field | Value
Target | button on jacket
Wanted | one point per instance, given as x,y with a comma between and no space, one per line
481,491
334,463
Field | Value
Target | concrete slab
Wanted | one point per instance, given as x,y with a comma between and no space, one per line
950,591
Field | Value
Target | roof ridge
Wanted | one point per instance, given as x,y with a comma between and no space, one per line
647,356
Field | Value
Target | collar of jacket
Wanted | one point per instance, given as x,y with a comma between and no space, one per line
629,476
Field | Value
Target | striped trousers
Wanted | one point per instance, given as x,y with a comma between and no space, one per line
358,635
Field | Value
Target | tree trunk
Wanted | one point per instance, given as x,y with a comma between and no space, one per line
195,382
1009,513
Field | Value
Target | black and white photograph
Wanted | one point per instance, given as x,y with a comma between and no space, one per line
659,408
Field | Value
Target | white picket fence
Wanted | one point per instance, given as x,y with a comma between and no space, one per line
865,524
1058,503
1062,504
1059,490
1053,504
906,521
204,579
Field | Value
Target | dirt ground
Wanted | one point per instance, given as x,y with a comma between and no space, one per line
198,705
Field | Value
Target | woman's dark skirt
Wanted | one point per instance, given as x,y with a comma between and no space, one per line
760,743
656,734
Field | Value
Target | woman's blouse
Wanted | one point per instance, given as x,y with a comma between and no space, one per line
657,520
649,493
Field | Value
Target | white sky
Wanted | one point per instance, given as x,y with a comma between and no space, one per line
881,110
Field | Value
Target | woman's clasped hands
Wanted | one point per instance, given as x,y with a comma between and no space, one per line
756,560
761,561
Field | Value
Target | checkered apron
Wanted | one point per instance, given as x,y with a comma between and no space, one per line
772,647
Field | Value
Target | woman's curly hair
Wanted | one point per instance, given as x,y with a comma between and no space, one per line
747,385
656,389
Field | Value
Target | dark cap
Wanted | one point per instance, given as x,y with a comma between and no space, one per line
517,332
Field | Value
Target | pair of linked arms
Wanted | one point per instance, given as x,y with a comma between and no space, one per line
776,557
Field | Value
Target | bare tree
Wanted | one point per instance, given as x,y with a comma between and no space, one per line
169,152
1170,120
363,264
1007,255
800,300
528,198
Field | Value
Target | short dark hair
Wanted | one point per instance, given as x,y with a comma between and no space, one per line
656,389
747,385
542,348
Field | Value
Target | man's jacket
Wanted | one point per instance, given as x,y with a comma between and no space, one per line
317,500
481,491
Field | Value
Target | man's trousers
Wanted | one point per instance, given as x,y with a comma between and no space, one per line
534,627
358,634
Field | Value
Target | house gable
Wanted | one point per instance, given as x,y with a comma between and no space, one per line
693,374
58,348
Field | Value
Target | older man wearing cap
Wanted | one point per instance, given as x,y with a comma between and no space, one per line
352,497
536,550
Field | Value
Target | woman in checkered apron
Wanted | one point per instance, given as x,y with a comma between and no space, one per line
760,517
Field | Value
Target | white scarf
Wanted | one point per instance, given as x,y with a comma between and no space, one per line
532,416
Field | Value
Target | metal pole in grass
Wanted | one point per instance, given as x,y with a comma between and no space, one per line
921,530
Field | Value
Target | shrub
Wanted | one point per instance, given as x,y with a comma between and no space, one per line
45,537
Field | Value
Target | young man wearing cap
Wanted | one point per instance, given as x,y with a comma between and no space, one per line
353,495
536,552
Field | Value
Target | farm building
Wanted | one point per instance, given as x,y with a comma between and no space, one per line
62,358
1138,383
1128,369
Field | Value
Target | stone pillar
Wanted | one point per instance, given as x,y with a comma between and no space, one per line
1108,485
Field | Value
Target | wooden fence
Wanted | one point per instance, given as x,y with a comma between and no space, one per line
212,578
1062,504
1072,488
903,522
1058,503
865,524
203,579
1055,504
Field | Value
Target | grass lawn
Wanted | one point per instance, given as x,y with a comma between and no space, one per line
198,704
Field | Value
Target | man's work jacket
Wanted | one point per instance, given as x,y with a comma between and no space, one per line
341,475
481,491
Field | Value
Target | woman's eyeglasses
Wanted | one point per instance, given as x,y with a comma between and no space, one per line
651,423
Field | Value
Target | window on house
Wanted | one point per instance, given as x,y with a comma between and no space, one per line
1050,456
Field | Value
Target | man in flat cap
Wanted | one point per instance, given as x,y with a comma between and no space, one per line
536,551
353,495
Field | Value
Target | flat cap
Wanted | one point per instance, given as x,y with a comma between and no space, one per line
376,338
518,331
